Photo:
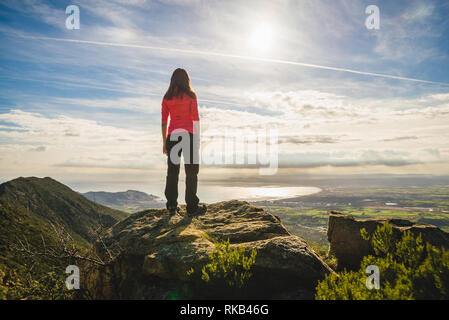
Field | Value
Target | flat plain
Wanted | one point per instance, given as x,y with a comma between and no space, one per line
307,216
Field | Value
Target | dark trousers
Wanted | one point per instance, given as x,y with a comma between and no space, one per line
191,165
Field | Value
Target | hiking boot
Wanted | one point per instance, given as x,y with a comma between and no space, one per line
173,210
201,209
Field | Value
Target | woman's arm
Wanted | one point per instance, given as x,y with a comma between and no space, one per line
196,128
194,116
164,137
164,112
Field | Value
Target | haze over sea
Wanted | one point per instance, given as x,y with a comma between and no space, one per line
252,188
210,193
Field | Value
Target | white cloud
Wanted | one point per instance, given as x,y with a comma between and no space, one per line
140,104
74,142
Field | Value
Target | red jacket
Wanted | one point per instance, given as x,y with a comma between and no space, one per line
182,111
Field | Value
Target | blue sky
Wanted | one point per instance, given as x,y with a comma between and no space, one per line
84,105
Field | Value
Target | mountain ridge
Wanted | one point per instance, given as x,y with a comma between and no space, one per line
28,206
129,201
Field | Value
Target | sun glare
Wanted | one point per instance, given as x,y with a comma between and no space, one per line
261,38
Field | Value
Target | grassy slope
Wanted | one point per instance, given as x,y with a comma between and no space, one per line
28,205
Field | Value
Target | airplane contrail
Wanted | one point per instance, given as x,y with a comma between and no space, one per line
242,57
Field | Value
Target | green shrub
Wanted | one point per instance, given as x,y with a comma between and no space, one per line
227,271
3,289
409,269
48,286
230,266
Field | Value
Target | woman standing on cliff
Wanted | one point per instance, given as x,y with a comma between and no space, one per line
180,104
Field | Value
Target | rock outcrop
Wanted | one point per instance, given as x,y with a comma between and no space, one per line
347,245
158,249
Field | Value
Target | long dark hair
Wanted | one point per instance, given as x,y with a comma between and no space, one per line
179,84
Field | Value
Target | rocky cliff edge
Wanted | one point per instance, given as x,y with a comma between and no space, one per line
158,249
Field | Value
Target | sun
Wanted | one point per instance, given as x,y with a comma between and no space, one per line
261,38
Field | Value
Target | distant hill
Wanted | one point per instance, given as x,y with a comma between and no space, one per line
129,201
29,205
